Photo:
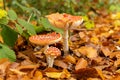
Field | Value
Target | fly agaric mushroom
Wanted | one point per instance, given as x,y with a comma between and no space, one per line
45,39
64,21
51,53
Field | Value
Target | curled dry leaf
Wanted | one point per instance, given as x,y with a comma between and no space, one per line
16,71
90,52
61,64
81,63
106,51
70,58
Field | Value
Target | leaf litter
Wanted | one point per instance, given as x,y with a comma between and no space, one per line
94,55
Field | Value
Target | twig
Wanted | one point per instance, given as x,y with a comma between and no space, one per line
4,4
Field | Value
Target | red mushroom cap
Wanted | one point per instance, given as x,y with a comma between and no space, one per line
53,51
60,20
45,39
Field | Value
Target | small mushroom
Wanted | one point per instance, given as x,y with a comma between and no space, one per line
45,39
51,53
64,21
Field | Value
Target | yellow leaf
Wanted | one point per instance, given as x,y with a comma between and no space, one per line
65,74
70,59
1,3
1,40
53,74
1,79
116,16
94,40
100,73
25,78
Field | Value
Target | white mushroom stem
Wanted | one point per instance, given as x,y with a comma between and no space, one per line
46,47
50,60
65,40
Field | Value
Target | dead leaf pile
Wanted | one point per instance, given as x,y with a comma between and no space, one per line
94,55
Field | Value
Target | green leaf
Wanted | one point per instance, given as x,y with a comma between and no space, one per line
85,18
19,28
9,36
89,24
4,21
39,29
12,14
29,27
6,52
47,25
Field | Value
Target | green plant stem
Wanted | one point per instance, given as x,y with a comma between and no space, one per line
29,17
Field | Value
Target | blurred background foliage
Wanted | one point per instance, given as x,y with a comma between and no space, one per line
76,7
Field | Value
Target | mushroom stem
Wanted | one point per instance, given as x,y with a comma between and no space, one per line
46,47
65,40
50,60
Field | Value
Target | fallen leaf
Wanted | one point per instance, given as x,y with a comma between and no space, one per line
70,58
90,52
81,63
106,51
94,40
53,74
38,75
60,63
65,74
100,74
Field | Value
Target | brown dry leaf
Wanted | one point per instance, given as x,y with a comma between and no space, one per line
61,64
93,79
23,67
38,75
90,52
86,73
106,51
81,63
20,41
115,54
50,69
70,58
4,63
